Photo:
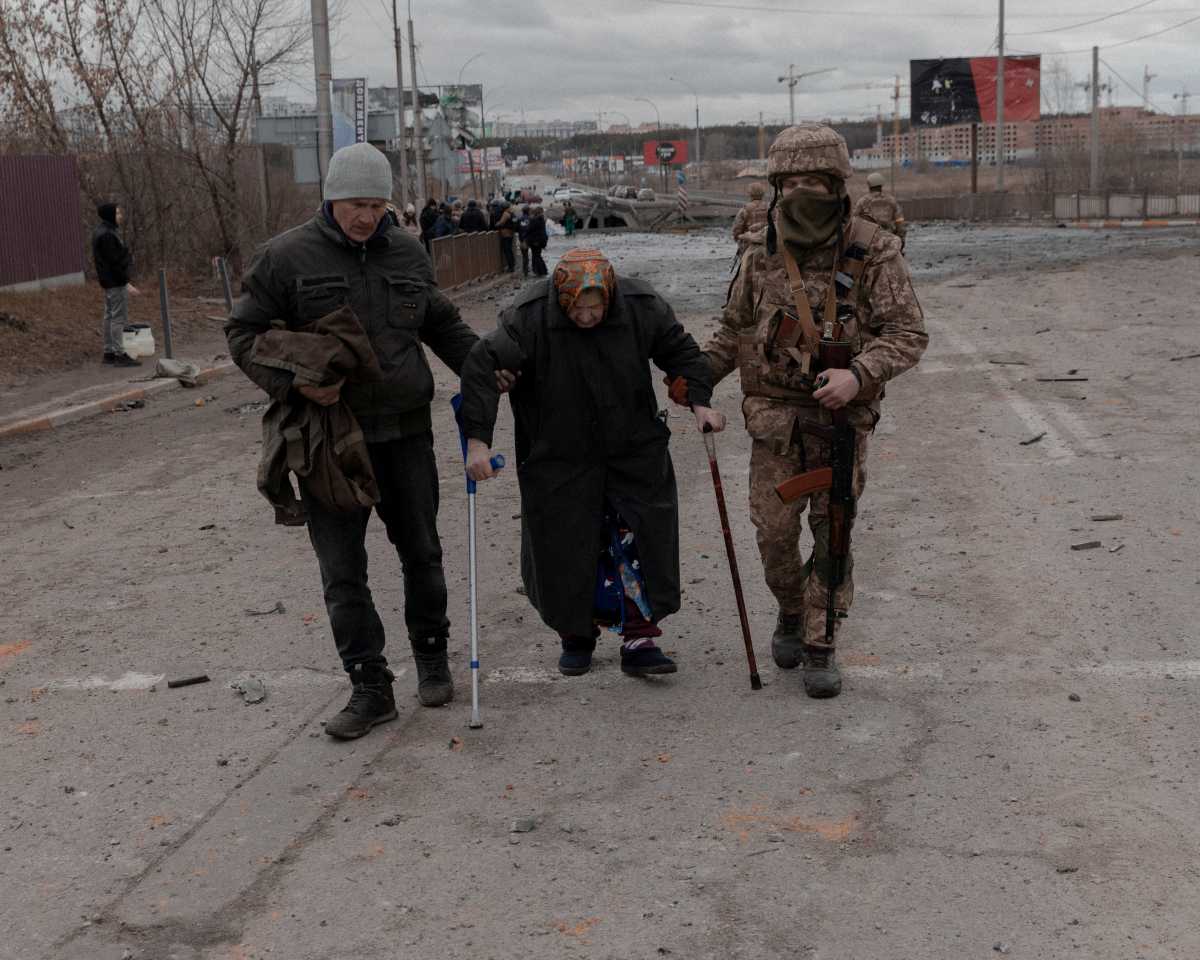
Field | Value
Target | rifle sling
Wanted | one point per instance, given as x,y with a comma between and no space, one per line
812,336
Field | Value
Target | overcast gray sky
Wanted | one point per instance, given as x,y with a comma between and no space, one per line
569,60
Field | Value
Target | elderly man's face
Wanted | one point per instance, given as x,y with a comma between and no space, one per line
358,218
588,309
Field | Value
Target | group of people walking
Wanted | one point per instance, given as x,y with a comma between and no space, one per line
600,513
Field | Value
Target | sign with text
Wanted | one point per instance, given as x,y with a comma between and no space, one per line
665,152
349,112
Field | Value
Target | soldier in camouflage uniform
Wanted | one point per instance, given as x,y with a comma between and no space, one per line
882,208
751,218
810,224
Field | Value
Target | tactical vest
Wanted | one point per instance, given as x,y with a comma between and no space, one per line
783,365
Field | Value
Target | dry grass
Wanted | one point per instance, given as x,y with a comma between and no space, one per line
53,330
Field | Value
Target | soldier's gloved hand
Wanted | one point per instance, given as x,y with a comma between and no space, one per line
677,390
836,388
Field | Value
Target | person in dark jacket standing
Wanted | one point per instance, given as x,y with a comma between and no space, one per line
597,484
523,238
428,218
444,225
473,220
538,237
349,254
113,266
506,227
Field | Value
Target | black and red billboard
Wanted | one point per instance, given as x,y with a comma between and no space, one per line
667,153
963,90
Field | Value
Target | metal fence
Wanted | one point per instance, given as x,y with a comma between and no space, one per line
465,257
1125,206
978,206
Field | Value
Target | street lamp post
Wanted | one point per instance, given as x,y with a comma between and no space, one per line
697,96
662,170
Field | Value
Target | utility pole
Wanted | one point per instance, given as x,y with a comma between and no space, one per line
418,119
1146,78
791,78
879,124
1000,150
256,103
762,138
1094,181
895,132
1182,97
324,74
400,128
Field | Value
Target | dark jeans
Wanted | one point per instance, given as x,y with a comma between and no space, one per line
408,482
506,250
524,259
539,265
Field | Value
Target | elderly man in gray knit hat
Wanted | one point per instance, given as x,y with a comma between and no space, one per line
350,254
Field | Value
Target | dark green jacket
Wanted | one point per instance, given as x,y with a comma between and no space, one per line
587,430
310,271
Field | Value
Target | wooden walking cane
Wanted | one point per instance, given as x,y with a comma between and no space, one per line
710,445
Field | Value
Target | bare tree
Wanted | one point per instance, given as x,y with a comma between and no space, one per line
1060,91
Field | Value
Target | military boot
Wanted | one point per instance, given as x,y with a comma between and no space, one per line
822,678
787,640
372,702
435,686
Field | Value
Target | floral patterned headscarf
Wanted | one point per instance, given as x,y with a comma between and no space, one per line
583,269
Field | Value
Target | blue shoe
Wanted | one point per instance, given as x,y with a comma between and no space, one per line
646,661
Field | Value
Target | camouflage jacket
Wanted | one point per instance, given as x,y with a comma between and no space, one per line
884,210
886,329
753,216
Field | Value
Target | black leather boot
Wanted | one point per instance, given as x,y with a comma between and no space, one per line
372,702
435,686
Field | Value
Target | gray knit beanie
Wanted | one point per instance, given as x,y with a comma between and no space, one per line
358,171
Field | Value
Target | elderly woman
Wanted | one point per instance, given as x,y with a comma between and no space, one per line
600,516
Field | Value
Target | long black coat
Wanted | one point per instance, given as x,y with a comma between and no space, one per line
587,430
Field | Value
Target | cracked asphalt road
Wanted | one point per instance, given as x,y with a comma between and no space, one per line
954,802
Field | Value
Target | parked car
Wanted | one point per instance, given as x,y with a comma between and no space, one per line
645,194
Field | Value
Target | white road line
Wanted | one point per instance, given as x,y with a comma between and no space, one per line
1052,444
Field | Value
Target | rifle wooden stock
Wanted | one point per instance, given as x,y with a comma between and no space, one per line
815,481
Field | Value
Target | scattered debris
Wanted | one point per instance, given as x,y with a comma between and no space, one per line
1009,363
1066,869
1032,440
1187,356
1074,697
1043,330
209,526
1000,947
523,825
1061,379
252,689
278,608
1090,545
456,743
126,405
1105,517
188,681
13,323
67,525
1117,549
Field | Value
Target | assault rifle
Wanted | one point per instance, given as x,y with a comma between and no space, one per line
834,353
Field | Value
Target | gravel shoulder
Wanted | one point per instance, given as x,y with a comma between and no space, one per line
1011,767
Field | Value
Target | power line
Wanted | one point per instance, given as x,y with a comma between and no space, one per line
1084,23
887,14
1134,89
1111,46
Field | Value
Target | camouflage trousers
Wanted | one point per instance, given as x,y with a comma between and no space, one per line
799,584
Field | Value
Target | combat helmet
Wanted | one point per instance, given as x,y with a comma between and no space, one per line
757,191
808,148
875,181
